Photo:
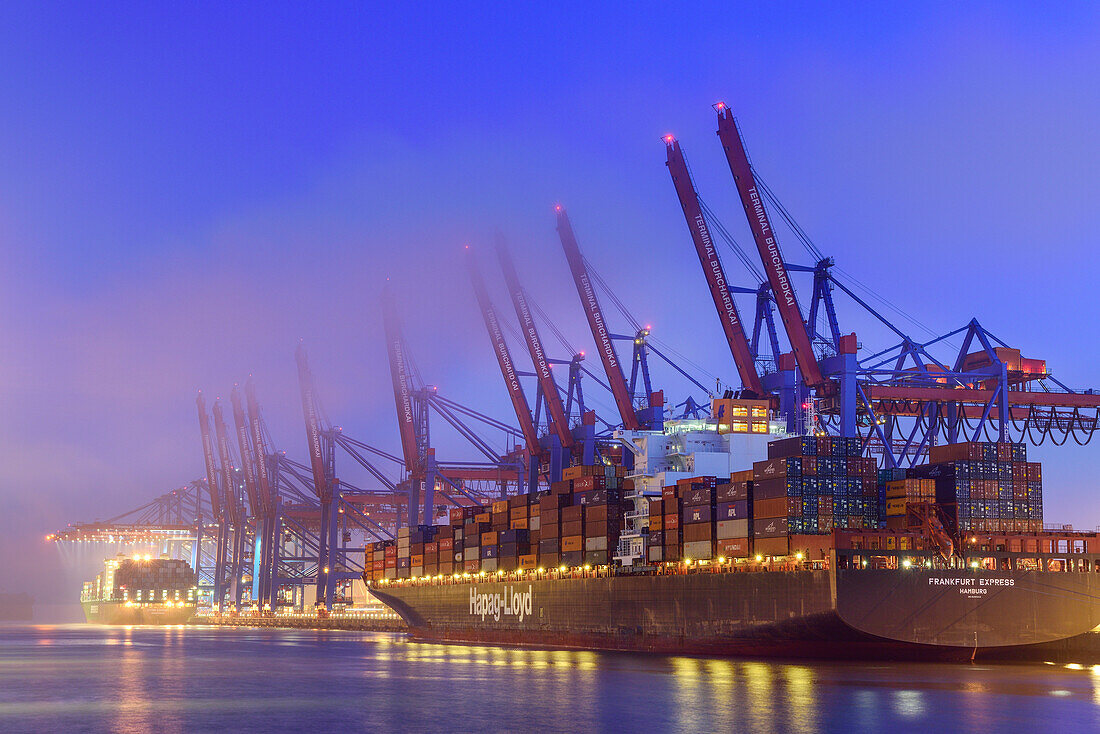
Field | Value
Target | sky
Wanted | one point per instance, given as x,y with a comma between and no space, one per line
187,191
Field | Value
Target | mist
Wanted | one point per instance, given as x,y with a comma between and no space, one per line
181,205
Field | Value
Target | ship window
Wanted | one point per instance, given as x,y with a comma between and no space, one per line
139,594
740,426
740,411
760,426
759,412
164,593
177,593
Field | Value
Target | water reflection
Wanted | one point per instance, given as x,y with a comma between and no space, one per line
181,680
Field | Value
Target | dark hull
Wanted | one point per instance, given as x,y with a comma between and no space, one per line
807,614
114,612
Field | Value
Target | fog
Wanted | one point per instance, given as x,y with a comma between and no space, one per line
182,201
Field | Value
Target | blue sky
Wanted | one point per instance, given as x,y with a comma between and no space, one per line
186,192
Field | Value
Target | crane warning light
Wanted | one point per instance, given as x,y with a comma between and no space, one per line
669,139
557,207
719,106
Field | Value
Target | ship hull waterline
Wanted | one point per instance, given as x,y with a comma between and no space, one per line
116,612
848,614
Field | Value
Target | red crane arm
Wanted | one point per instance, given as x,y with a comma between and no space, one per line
221,435
263,479
712,268
600,332
504,359
768,247
402,389
208,458
534,345
244,444
313,427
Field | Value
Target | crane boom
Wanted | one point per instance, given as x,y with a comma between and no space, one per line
402,389
313,427
208,458
712,268
600,332
768,247
543,370
244,445
232,506
504,359
263,479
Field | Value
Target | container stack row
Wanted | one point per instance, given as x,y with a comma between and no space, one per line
986,486
576,522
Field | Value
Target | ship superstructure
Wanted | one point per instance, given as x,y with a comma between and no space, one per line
141,590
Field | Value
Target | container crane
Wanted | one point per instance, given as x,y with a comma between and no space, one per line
324,482
233,509
218,511
559,419
412,417
768,248
269,501
720,290
600,331
508,370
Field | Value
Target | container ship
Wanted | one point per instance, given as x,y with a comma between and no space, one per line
141,590
813,552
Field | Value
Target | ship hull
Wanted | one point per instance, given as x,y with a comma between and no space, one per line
115,612
910,614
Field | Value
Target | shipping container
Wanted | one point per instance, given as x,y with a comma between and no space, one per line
726,529
790,466
572,543
699,550
769,527
737,547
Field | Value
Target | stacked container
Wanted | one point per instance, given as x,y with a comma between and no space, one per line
698,515
733,526
898,494
986,486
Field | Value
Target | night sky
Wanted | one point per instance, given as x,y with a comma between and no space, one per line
185,193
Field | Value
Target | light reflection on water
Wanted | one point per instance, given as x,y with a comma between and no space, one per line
166,680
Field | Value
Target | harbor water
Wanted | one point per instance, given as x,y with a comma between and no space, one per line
85,678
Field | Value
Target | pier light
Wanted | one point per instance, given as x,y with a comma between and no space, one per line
759,559
687,561
563,568
587,567
540,569
973,564
721,559
906,563
500,572
798,555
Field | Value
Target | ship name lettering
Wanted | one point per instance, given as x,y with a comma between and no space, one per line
512,603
